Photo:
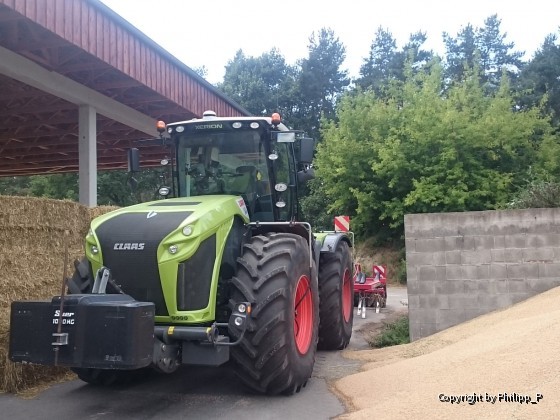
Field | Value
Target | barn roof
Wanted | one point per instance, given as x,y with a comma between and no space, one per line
56,55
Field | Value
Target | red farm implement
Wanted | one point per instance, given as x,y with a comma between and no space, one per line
370,291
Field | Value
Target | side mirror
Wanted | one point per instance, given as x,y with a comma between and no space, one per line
133,160
306,150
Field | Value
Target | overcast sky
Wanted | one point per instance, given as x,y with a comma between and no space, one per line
209,33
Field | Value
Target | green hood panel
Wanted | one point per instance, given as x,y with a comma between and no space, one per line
127,238
213,209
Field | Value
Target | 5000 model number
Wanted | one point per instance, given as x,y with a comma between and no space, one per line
122,246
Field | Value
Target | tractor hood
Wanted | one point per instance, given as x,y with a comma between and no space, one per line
204,211
141,244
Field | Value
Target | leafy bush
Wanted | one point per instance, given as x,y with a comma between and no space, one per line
393,334
538,194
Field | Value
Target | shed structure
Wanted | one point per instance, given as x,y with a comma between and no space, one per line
79,85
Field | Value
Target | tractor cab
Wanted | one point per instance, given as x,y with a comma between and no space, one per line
251,157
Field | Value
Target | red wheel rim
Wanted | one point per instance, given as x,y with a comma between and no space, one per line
303,315
347,292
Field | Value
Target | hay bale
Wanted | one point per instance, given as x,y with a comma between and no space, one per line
17,377
34,233
99,210
42,214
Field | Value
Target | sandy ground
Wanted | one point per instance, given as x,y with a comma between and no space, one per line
513,351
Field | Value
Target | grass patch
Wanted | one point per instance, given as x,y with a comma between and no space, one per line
393,334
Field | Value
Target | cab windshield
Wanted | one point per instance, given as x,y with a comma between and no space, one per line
234,162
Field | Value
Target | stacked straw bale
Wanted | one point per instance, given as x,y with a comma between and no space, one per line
34,233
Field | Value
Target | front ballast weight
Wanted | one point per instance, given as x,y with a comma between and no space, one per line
103,331
114,332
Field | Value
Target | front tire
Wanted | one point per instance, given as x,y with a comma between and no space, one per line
110,377
82,279
277,352
99,377
336,290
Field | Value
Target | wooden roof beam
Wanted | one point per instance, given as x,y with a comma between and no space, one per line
24,70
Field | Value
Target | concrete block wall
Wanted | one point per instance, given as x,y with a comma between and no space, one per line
462,265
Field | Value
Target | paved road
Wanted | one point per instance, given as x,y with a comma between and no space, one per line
197,392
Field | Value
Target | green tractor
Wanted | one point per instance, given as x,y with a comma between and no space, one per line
224,271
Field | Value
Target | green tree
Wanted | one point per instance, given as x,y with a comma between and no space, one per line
460,52
113,187
538,193
58,186
315,207
15,185
321,81
202,71
540,78
418,151
496,54
385,64
382,64
484,48
414,53
262,85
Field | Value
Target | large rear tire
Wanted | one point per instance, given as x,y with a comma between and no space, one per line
277,352
336,291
